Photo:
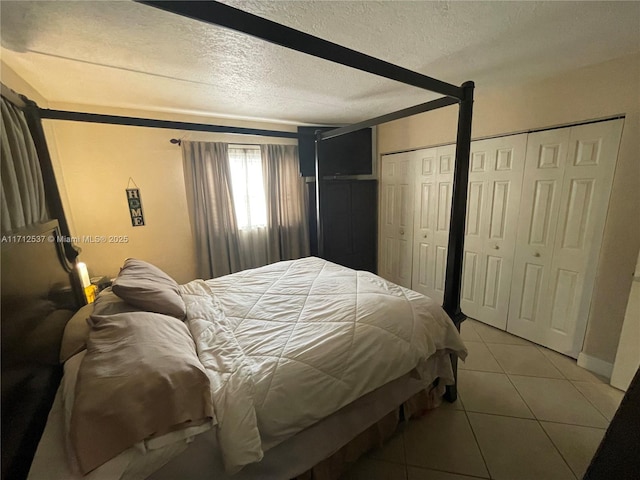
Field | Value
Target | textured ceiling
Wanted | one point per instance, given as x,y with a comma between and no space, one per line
128,55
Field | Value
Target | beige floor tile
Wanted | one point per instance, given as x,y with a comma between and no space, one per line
523,360
468,333
443,440
479,358
372,469
490,334
518,448
576,444
392,450
605,398
557,400
416,473
569,368
486,392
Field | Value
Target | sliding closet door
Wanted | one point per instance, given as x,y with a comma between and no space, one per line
493,205
434,188
425,222
541,192
568,177
396,217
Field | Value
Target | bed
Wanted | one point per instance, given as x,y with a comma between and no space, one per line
301,357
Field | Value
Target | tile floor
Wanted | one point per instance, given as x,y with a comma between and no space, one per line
524,412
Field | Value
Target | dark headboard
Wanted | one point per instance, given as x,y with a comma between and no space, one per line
38,298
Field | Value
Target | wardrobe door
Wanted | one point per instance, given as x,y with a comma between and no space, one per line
364,222
541,192
434,187
568,177
396,217
336,214
593,151
425,222
493,205
445,161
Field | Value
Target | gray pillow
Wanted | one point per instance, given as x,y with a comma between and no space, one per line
76,333
108,303
149,288
141,378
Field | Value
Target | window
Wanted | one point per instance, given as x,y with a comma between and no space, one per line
249,198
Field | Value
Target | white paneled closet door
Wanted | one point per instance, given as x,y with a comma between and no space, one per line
433,190
567,183
396,217
493,205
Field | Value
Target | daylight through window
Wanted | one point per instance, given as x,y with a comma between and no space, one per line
248,188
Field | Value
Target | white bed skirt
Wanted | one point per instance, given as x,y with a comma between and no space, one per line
201,459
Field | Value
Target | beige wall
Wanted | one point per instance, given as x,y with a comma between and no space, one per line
96,162
12,80
608,89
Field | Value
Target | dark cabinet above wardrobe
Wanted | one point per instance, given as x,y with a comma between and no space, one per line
349,154
349,222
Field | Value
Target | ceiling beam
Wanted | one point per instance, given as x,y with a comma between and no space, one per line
405,112
225,16
147,122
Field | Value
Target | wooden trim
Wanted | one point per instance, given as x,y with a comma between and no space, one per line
595,365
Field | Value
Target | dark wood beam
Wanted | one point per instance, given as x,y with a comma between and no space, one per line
225,16
147,122
405,112
455,249
51,191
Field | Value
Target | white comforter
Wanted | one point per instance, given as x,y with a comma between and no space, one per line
290,343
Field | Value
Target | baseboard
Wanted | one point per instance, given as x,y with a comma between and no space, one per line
595,365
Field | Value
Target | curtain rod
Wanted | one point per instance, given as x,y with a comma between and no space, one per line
178,141
12,96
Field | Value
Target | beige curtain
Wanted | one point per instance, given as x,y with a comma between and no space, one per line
287,229
23,200
208,183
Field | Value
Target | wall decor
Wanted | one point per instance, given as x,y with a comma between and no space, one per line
135,204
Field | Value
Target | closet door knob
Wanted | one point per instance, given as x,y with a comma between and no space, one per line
401,231
424,236
496,247
536,254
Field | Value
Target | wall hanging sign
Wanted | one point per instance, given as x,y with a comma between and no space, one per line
135,204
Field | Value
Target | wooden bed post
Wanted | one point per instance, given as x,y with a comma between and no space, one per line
455,250
319,232
52,193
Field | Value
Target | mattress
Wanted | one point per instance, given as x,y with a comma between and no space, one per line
284,347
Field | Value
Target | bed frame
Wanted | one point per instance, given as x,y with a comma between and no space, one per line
38,275
38,298
216,13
